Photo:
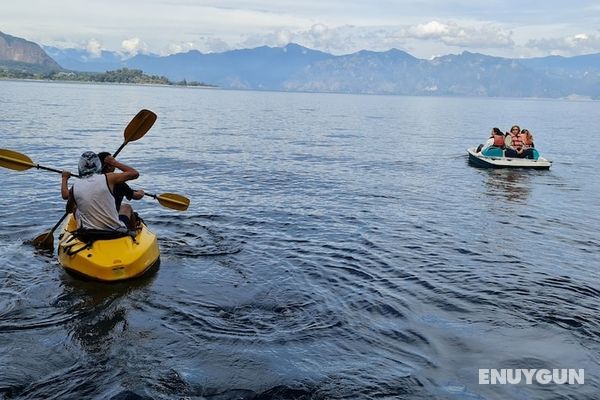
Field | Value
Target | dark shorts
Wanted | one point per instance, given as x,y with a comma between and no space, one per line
125,219
527,153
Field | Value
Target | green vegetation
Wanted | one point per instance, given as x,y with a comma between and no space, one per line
191,83
123,75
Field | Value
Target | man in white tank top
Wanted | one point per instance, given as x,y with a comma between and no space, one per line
93,194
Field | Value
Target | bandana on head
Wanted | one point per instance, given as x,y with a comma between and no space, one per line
89,164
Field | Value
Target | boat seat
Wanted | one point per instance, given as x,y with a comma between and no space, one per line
91,235
493,151
87,237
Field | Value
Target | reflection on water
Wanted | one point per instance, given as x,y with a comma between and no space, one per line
101,316
512,184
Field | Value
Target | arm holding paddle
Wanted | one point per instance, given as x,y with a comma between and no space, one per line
64,186
138,194
117,179
129,193
128,173
120,190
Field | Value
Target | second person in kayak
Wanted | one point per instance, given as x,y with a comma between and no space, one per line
93,194
121,190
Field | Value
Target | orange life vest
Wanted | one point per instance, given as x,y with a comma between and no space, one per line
499,140
517,140
527,140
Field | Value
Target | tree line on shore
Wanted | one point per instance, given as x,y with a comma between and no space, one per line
123,75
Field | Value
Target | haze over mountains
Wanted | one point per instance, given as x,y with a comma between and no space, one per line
296,68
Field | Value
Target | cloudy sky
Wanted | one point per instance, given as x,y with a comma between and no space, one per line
424,28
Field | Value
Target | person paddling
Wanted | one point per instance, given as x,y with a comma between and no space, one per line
122,189
93,194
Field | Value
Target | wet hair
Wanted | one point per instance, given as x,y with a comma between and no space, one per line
102,155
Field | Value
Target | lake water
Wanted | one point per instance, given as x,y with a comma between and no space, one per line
337,246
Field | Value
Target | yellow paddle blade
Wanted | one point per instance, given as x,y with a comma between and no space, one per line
13,160
45,240
139,125
174,201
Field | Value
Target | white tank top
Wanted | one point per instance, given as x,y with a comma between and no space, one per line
96,204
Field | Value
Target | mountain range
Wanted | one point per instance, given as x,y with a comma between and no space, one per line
297,68
17,53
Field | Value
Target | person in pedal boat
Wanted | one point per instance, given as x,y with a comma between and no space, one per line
122,189
496,139
93,194
516,144
527,139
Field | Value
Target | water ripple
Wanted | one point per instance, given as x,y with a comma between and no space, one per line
350,254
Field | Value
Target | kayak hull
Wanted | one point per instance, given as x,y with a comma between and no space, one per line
108,259
479,160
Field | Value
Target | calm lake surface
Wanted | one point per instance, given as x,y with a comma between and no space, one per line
337,246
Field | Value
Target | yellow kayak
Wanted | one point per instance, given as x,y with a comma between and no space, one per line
107,259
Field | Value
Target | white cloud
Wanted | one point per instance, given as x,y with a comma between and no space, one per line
94,48
485,36
338,40
430,30
576,44
182,47
134,46
205,44
215,45
335,25
283,37
349,38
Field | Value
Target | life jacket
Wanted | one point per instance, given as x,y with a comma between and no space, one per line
499,141
527,140
517,141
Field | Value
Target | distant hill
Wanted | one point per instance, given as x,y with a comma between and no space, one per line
297,68
21,54
259,68
473,74
82,60
22,59
390,72
579,75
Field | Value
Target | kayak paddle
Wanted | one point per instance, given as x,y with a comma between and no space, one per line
137,128
171,200
46,239
20,162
